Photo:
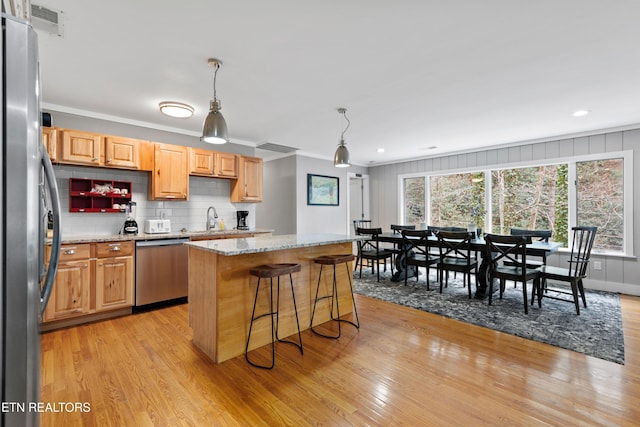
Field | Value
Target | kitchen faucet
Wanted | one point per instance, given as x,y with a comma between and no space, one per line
212,222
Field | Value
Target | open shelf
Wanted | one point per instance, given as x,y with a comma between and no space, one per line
98,195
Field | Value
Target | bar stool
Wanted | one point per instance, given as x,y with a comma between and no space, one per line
269,271
334,260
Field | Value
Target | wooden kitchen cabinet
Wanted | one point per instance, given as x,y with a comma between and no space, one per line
50,141
115,280
71,290
201,162
121,152
170,175
226,165
248,186
80,148
212,163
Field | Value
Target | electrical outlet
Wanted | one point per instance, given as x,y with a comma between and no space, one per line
164,213
597,265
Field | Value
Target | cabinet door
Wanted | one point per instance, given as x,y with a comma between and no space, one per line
248,186
50,141
114,283
70,295
80,148
226,165
170,179
121,152
201,162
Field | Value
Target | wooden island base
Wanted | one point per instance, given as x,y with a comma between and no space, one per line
221,295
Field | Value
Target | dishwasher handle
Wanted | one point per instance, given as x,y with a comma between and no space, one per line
160,242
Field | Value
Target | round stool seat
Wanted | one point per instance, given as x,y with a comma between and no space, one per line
273,270
334,259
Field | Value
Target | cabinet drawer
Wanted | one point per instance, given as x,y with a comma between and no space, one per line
113,249
72,252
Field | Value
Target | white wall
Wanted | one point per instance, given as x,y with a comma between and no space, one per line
278,208
618,274
322,219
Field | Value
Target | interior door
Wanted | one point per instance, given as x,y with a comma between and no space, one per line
358,198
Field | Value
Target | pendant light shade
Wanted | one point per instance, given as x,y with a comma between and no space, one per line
214,130
341,158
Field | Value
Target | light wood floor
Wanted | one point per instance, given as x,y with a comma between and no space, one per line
403,367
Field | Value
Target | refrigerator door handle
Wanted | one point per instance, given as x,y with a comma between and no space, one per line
56,240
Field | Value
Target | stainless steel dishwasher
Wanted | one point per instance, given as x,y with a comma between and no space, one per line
162,270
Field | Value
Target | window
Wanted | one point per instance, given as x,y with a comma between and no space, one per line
535,198
456,200
591,190
414,202
600,194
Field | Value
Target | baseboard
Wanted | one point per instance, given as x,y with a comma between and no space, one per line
623,288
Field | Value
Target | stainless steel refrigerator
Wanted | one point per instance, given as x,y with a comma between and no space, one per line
28,193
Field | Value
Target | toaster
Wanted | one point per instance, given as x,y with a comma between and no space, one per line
157,226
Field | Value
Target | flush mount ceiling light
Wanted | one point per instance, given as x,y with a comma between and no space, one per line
176,109
581,113
341,158
214,130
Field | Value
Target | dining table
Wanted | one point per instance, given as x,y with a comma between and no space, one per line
478,244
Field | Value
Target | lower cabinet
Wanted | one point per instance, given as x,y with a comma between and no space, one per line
114,275
70,295
91,278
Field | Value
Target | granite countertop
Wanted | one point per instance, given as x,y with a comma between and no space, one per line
96,238
270,243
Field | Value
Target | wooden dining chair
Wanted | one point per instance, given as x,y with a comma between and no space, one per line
370,249
507,257
582,243
456,255
416,245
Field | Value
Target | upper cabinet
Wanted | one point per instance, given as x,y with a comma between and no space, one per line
50,141
122,152
226,165
78,147
248,186
213,164
170,175
201,162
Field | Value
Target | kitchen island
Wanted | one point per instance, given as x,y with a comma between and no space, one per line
221,291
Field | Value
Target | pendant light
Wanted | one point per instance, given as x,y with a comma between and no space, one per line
214,130
341,158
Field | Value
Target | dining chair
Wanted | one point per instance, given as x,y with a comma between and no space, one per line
416,246
397,250
370,249
507,257
359,223
455,254
538,235
582,243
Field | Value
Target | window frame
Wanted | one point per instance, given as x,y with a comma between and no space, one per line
625,155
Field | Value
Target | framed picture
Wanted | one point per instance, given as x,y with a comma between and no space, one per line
323,190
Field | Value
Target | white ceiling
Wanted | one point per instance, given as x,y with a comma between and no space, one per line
413,74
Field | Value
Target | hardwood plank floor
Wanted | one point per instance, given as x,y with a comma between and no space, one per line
403,367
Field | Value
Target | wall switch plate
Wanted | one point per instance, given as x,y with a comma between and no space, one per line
164,213
597,265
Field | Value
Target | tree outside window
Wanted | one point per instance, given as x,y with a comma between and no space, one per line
457,200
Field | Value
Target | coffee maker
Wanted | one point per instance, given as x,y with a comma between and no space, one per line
242,220
130,224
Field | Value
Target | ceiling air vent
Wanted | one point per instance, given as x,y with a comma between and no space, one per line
47,20
275,147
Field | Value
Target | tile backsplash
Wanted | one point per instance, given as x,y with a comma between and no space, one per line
191,214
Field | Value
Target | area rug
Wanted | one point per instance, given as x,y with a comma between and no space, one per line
596,332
